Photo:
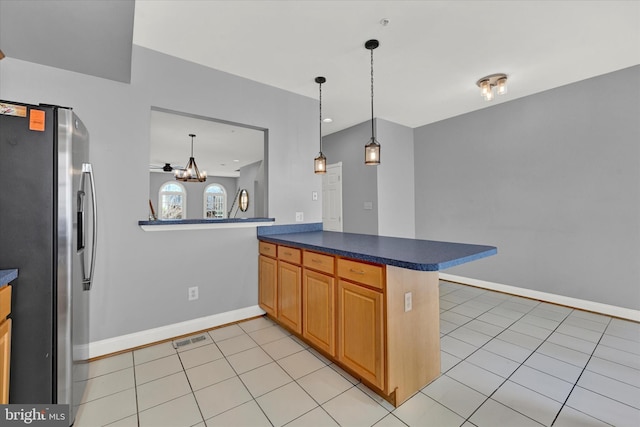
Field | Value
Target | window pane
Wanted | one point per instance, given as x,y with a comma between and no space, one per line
215,189
171,206
171,187
215,206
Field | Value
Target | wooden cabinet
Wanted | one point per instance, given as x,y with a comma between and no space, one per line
290,295
360,331
356,314
5,343
268,285
318,303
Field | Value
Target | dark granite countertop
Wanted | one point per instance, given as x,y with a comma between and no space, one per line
7,276
414,254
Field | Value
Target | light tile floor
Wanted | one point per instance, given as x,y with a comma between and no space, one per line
506,361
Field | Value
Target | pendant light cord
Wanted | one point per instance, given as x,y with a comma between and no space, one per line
320,117
372,130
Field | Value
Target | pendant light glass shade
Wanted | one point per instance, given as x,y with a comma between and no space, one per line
191,173
320,162
372,153
372,149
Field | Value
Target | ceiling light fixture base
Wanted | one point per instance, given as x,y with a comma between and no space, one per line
371,44
488,83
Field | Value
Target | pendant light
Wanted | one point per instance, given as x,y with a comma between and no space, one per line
372,149
320,162
191,172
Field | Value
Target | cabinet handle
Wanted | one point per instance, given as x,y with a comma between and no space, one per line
288,253
267,249
356,271
317,261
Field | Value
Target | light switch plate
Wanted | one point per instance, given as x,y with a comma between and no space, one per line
299,216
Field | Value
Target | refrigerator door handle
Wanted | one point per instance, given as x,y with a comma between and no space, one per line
88,279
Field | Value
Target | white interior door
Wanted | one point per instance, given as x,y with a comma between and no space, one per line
332,198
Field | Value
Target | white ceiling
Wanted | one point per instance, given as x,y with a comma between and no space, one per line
430,56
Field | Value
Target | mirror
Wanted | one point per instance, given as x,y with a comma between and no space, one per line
243,200
232,154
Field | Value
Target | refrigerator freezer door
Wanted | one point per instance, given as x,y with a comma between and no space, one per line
73,301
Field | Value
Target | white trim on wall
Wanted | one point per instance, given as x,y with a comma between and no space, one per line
596,307
137,339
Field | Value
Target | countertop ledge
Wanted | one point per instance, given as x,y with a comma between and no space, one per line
413,254
7,276
202,224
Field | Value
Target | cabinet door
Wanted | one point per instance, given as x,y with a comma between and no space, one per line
360,331
290,296
5,359
268,285
318,301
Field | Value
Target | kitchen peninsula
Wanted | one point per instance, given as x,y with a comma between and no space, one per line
369,303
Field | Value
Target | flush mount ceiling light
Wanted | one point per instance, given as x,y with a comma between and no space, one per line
191,172
320,162
488,83
372,149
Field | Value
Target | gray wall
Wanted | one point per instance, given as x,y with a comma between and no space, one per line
141,277
552,180
359,182
396,205
195,192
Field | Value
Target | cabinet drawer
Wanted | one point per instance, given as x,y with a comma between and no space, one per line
5,302
291,255
367,274
318,262
268,249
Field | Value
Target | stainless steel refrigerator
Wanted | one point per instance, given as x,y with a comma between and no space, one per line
48,232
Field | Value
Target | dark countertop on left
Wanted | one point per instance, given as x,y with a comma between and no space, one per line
7,276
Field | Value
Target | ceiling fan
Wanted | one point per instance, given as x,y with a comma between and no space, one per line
166,168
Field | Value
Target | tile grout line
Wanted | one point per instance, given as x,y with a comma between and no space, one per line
135,388
575,384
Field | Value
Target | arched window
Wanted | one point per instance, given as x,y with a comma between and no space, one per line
173,201
215,201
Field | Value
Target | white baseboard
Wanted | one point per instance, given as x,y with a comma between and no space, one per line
137,339
596,307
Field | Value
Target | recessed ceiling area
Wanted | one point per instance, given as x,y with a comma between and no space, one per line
219,148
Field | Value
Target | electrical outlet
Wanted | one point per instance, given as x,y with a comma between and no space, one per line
314,195
193,293
407,302
299,216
